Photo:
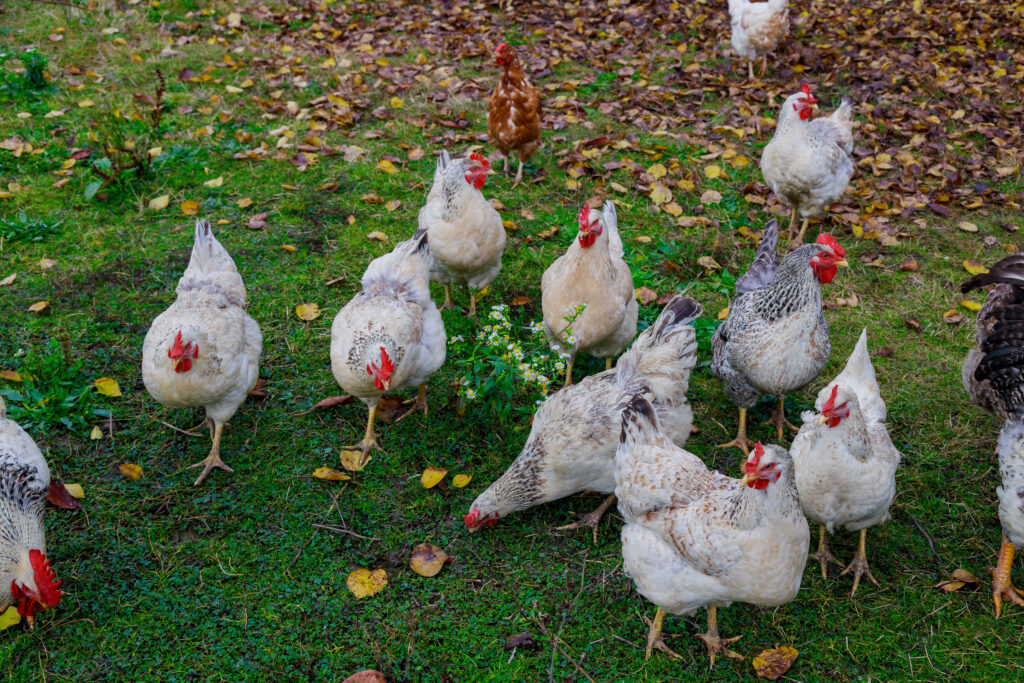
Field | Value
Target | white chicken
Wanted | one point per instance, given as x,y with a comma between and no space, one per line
591,274
572,442
807,163
467,236
695,538
845,461
390,335
757,28
26,579
204,350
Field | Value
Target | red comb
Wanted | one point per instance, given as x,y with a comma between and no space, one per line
828,240
176,350
480,160
470,519
386,366
501,47
46,579
827,408
806,90
750,466
584,217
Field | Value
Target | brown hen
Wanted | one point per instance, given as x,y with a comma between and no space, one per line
513,119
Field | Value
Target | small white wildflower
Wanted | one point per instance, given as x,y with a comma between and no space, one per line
470,394
559,365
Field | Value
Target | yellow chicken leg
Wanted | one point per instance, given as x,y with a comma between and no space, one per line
1002,585
717,645
859,565
472,303
654,639
213,459
778,419
519,174
568,371
750,69
741,442
800,235
791,230
824,555
418,403
447,305
607,363
369,441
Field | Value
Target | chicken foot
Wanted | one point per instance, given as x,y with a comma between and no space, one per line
472,304
592,519
741,441
568,371
859,565
654,638
764,64
447,305
608,363
418,403
519,175
716,644
824,555
750,69
369,441
213,459
1002,585
779,421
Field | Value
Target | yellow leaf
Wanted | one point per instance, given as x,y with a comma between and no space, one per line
711,197
354,460
393,204
657,171
329,474
38,307
974,268
215,182
773,664
9,618
432,476
967,226
708,263
387,166
971,305
660,194
75,490
291,188
428,559
378,236
739,161
10,375
642,239
244,202
96,434
397,103
673,209
307,312
713,171
107,387
723,314
233,89
154,152
363,582
460,480
85,104
288,247
328,63
9,280
130,470
161,202
189,207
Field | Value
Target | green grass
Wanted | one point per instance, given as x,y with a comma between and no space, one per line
233,581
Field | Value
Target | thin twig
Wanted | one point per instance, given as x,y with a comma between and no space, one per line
62,4
298,554
344,532
931,545
554,643
181,431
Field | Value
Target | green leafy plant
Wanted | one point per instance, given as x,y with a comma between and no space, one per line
32,79
53,392
506,365
25,229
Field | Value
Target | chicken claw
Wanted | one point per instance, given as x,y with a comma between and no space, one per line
824,555
741,441
418,403
654,638
213,459
592,519
779,421
1002,585
716,644
447,305
859,565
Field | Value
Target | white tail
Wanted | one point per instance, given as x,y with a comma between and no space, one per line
611,222
859,375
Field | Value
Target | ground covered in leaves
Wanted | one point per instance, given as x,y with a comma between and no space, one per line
306,132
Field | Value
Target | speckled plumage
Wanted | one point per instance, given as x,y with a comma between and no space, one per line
24,482
598,277
775,339
571,447
209,311
467,237
758,27
393,310
694,537
846,474
808,163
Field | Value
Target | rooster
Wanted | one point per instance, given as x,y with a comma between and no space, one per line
845,461
513,117
204,351
807,163
26,579
571,447
390,335
591,274
466,234
757,28
775,338
695,538
992,374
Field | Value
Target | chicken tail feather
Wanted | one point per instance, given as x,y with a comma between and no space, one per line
664,354
765,263
1009,270
639,422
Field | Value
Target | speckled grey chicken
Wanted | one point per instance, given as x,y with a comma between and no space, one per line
571,447
26,579
808,162
993,375
775,339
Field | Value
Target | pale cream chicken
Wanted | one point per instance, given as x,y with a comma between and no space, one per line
757,29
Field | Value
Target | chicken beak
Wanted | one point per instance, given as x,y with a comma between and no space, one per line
30,620
822,419
387,384
473,529
843,264
746,480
